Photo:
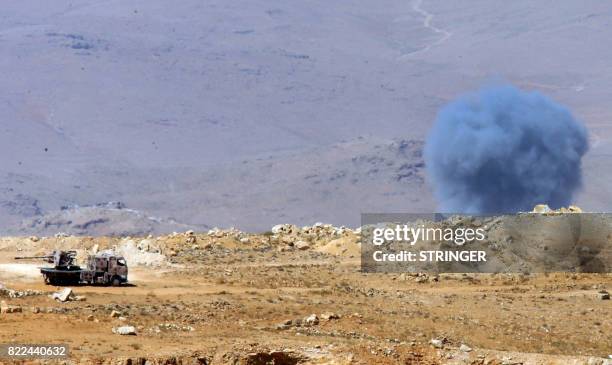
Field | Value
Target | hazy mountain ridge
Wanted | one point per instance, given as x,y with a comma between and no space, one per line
249,113
300,188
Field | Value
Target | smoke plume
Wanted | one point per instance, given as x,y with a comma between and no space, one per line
504,150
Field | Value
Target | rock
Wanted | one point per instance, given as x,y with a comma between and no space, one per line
19,293
34,239
603,295
541,208
14,309
465,348
420,279
284,229
282,326
329,316
595,361
311,320
302,245
63,295
90,318
125,331
6,308
115,314
277,228
35,310
437,343
285,325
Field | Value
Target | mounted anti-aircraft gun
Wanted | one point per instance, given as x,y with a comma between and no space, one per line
57,258
103,268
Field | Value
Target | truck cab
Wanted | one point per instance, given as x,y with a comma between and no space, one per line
106,268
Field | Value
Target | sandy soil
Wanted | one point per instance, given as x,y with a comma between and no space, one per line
222,301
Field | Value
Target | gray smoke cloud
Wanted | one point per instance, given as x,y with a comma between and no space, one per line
504,150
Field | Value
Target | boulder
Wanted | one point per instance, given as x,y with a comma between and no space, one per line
125,331
63,295
465,348
437,343
329,316
541,208
302,245
311,320
6,308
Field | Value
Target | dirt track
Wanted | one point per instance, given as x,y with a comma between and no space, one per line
227,303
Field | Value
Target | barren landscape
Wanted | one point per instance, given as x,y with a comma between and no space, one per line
139,125
296,295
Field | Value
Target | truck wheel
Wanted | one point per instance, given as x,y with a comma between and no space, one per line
116,281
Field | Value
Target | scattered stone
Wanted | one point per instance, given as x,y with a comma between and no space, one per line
115,314
284,325
603,295
541,208
165,327
5,292
67,294
125,331
595,361
330,316
302,245
90,318
437,343
35,310
190,237
545,209
6,308
284,229
510,361
465,348
421,279
311,320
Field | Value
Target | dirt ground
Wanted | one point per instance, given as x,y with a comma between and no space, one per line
219,299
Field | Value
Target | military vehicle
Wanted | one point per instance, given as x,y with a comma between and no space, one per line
104,268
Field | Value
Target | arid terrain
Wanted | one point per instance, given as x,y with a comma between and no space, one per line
296,295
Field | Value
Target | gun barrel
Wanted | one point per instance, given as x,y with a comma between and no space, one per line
32,257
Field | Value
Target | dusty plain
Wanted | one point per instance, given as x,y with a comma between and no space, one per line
226,297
